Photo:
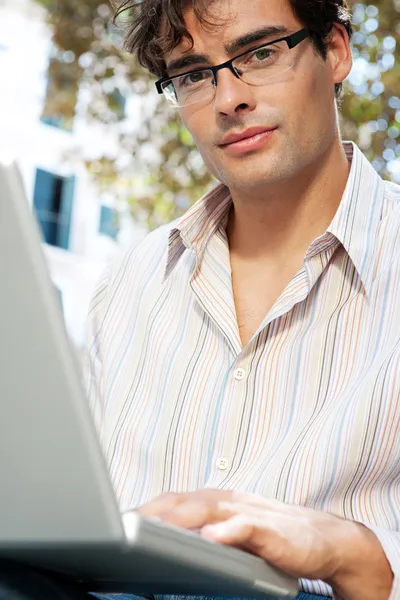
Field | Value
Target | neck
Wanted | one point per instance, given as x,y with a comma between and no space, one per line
284,219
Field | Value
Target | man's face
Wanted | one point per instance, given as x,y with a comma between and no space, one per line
298,104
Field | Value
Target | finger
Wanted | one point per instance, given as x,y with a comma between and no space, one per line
262,533
239,530
198,511
194,514
165,503
257,501
161,504
258,510
286,522
264,538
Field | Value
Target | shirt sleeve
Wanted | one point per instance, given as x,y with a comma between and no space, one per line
92,355
390,541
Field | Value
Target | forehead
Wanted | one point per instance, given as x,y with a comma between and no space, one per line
231,19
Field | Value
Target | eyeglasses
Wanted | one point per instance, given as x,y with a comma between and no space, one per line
255,67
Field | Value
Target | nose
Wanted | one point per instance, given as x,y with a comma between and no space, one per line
232,95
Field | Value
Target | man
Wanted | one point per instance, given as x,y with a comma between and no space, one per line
246,358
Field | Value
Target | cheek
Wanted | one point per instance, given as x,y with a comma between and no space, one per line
199,121
203,131
321,90
313,104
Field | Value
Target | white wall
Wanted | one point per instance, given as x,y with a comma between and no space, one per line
25,45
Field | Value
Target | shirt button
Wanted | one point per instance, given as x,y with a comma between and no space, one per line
240,374
222,464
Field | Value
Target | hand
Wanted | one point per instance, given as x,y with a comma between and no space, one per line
303,542
298,540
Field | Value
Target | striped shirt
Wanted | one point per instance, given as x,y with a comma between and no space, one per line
307,413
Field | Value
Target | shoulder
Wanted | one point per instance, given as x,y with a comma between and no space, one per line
391,200
143,262
149,255
389,227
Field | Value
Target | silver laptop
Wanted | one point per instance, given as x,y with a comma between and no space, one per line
57,506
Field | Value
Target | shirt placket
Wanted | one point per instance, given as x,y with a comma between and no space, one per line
235,416
234,420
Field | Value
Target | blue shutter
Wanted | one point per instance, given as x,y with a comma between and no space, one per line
43,204
108,222
65,216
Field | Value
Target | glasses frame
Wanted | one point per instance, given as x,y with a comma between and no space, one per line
292,41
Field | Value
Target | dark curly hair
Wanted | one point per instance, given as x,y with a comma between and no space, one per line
144,19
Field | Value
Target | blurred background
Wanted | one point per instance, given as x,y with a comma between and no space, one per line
105,160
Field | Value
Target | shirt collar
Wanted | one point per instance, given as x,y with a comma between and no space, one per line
355,224
357,220
198,225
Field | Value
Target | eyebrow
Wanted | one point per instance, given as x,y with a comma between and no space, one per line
231,48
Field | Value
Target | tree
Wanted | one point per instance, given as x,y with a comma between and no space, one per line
370,112
88,53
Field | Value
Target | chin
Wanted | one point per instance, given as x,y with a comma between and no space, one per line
248,170
254,173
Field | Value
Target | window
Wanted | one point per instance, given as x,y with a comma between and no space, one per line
109,222
53,200
117,103
58,122
62,90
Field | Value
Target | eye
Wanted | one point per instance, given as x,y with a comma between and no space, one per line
263,54
192,78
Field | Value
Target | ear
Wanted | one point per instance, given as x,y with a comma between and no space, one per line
339,53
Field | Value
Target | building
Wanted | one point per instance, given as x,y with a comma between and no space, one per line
82,230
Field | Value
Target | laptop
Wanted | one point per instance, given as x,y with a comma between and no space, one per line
58,511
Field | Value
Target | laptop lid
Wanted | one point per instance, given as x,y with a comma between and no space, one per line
53,487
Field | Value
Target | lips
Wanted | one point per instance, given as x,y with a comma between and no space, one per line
244,135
